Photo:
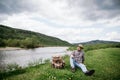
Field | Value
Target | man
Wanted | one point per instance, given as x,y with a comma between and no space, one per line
77,59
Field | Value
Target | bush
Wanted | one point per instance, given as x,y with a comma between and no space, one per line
2,43
29,43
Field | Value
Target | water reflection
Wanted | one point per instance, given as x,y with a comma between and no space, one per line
2,56
24,57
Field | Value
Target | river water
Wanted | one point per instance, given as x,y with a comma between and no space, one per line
25,56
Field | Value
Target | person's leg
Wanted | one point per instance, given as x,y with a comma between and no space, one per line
84,69
82,66
72,62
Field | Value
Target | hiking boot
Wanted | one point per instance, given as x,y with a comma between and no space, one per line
89,73
73,70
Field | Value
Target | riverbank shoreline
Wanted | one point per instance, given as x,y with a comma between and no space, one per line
9,48
18,48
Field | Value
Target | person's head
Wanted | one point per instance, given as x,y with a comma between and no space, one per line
80,47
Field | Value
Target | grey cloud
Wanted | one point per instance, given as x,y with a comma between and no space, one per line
92,9
13,6
9,7
109,4
96,9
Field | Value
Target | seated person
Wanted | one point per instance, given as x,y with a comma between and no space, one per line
77,59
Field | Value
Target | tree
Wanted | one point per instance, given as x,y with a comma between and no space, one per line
2,43
29,43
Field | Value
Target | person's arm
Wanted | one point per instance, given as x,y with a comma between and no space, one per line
72,54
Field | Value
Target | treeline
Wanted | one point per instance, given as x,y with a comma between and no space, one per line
27,39
88,47
25,43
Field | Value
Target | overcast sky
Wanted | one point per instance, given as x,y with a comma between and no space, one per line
70,20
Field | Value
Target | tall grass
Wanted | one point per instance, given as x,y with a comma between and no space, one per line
35,62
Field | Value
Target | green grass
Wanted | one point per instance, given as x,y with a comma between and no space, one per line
104,61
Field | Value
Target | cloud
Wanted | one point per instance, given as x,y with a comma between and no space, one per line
70,20
114,36
64,9
96,9
15,6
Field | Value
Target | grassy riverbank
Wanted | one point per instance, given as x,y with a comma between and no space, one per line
104,61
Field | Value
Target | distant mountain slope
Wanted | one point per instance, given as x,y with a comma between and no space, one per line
97,42
23,38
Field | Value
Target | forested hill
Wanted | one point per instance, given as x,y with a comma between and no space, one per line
99,42
27,39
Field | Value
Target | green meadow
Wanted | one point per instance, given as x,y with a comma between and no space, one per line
104,61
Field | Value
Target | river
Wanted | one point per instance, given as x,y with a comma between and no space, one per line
24,56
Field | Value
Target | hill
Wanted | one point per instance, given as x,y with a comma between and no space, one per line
96,42
27,39
104,61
